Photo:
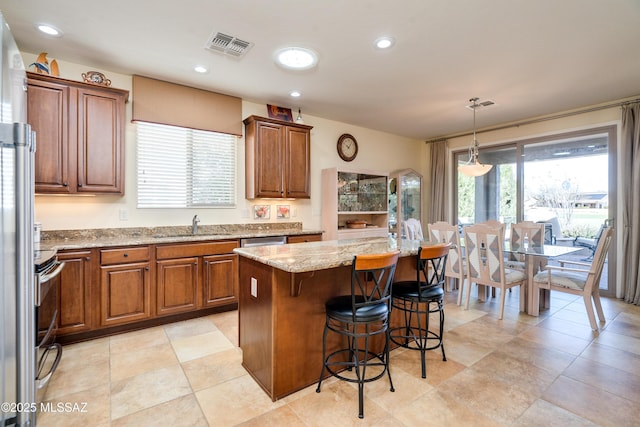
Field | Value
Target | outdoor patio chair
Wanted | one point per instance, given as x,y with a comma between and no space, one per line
591,243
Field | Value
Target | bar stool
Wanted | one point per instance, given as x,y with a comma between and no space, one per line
418,299
359,317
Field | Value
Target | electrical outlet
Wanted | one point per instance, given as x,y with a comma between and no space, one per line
254,287
244,213
124,214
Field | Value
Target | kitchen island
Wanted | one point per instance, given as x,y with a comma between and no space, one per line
282,292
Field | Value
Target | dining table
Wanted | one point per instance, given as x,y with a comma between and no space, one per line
533,257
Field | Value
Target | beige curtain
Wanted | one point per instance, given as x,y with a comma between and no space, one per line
631,202
438,204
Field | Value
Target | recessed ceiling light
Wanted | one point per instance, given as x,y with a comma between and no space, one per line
384,42
296,58
200,69
295,93
49,30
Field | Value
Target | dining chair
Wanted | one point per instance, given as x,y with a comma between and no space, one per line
580,279
418,299
456,268
523,233
360,316
485,263
413,229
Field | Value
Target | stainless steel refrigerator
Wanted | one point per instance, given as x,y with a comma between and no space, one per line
17,293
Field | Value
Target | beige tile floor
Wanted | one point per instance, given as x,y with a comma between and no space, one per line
519,371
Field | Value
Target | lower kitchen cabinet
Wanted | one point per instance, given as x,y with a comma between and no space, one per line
74,292
177,285
125,286
106,290
220,280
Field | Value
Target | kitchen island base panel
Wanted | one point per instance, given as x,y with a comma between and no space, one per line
281,334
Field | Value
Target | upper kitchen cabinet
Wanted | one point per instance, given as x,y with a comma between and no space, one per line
79,133
277,156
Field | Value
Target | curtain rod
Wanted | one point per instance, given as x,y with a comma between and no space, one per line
538,120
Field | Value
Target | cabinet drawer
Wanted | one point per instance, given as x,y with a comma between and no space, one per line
302,238
124,255
196,249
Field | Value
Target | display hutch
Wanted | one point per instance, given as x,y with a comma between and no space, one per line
405,199
354,204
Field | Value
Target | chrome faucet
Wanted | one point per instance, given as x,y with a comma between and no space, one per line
194,224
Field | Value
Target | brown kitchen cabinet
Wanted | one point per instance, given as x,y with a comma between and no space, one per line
277,159
79,133
125,285
303,238
177,285
220,280
191,276
74,292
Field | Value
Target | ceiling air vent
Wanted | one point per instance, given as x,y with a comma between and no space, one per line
228,45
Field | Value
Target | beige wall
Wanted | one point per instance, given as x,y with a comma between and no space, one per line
378,152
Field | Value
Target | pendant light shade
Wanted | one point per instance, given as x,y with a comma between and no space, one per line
473,167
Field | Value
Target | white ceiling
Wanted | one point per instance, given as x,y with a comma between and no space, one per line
532,57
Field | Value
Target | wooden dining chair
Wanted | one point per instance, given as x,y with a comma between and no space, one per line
413,229
529,231
580,279
444,232
485,263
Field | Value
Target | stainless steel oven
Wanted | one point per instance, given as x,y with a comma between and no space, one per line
48,352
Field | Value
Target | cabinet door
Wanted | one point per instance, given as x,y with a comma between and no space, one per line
74,310
125,294
47,105
298,145
220,282
177,285
100,136
269,146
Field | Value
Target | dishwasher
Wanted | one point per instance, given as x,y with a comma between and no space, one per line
263,241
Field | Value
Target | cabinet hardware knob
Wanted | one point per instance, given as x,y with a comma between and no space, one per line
126,255
88,258
146,269
65,184
79,184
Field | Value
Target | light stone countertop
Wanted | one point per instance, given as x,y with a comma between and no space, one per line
312,256
96,238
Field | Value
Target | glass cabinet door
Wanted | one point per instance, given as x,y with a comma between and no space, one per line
405,199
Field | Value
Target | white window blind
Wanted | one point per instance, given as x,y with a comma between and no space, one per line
181,167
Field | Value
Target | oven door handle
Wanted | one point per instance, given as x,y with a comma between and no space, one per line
48,276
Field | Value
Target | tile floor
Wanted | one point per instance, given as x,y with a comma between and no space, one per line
519,371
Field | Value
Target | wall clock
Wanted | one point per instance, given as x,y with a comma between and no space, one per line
347,147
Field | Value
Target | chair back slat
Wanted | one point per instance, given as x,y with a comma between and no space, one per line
432,262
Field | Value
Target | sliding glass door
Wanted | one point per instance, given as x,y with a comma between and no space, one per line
566,181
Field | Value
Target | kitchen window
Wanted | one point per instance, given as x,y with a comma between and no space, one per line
184,168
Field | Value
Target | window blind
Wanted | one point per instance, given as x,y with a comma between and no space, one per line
181,167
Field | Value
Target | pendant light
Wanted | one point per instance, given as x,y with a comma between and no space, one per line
473,167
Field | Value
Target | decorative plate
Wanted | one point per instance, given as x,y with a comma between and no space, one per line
96,78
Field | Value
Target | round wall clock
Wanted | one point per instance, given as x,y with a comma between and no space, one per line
347,147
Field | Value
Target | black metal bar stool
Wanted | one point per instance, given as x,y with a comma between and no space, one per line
418,299
359,317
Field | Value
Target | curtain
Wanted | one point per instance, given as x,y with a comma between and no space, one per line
438,206
631,202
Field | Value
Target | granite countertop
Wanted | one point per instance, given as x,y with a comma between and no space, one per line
108,237
312,256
